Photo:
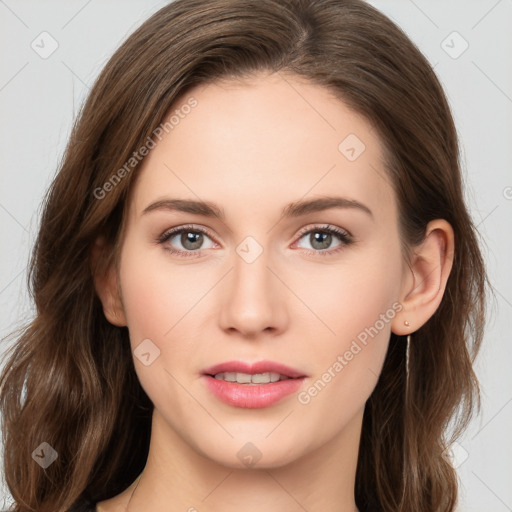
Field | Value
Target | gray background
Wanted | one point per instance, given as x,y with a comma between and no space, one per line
39,98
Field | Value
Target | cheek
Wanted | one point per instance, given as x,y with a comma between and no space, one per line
155,295
158,300
352,296
347,366
155,301
356,304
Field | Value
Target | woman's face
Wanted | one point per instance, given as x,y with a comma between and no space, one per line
262,280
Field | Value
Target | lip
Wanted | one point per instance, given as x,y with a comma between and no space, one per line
252,396
258,367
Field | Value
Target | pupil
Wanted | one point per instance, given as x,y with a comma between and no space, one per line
323,238
191,240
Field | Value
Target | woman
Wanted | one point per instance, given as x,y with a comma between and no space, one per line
256,279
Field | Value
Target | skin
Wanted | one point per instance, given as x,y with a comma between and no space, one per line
252,147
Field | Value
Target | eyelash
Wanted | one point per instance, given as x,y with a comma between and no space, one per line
344,236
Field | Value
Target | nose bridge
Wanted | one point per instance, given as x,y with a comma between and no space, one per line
252,303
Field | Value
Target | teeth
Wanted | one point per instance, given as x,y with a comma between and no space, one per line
245,378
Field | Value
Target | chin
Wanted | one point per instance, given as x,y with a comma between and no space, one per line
246,454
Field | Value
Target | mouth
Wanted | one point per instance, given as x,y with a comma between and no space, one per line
261,372
247,378
255,385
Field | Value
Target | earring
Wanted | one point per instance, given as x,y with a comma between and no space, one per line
407,324
407,350
407,355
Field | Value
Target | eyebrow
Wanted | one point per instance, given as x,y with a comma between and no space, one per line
295,209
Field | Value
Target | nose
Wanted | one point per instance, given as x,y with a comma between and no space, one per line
253,299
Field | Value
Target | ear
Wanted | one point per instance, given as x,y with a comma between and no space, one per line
105,283
425,282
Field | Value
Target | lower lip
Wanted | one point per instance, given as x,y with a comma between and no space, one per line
253,396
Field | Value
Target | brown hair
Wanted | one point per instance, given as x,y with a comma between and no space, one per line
70,378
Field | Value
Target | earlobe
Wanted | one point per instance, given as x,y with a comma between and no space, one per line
111,300
106,285
425,285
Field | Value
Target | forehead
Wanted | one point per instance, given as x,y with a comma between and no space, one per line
256,144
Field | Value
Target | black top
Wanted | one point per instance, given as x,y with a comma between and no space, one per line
79,506
83,505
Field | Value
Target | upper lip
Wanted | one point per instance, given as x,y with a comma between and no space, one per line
252,368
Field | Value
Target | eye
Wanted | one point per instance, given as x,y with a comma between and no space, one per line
190,238
320,239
